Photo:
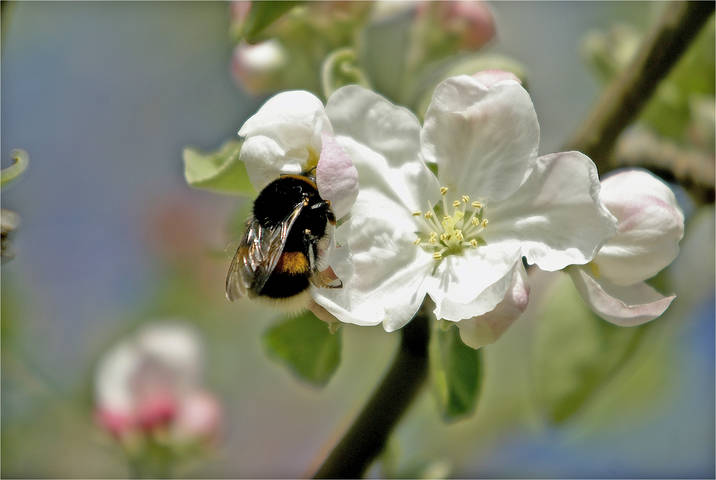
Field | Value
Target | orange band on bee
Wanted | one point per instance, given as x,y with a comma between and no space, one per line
294,263
300,177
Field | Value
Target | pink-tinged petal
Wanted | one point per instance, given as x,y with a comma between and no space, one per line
336,177
116,423
199,416
626,306
650,227
255,67
556,216
486,329
483,139
376,127
490,78
475,282
156,410
471,21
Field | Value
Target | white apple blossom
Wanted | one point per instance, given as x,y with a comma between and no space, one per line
292,133
650,227
152,380
460,236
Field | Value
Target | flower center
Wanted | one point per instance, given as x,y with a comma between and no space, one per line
448,228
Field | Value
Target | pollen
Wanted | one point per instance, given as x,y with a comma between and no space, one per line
460,226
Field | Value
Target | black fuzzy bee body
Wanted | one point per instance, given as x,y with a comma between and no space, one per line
285,239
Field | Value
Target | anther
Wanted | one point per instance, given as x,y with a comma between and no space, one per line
437,255
428,214
473,243
417,241
458,235
443,190
417,213
465,198
476,205
456,203
475,221
484,223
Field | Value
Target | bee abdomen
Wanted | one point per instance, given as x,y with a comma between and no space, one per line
290,277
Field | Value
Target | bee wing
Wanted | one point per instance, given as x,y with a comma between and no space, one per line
257,255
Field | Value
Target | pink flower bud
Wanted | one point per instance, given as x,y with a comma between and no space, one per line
116,423
254,67
493,77
471,21
199,416
156,411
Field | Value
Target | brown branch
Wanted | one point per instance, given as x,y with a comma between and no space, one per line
366,438
624,98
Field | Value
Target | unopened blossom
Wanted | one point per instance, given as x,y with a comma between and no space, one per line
650,226
458,236
471,22
153,381
292,134
256,68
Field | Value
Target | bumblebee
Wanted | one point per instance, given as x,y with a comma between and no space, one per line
280,254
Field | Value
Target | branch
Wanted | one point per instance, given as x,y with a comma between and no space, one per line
624,98
367,436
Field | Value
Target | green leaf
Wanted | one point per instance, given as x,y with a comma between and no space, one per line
220,171
340,69
306,345
455,371
576,353
263,14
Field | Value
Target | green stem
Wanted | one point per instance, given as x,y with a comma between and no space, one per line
366,438
624,98
20,162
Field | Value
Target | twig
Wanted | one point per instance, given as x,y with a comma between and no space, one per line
624,98
367,436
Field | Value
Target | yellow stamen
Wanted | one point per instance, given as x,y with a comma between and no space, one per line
456,203
417,241
437,255
428,214
473,243
476,205
417,213
475,221
466,198
484,223
443,190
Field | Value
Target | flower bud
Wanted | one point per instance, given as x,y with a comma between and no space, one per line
471,21
255,67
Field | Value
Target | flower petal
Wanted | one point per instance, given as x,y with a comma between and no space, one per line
486,329
382,271
336,177
484,140
626,306
474,283
651,225
392,133
290,126
556,216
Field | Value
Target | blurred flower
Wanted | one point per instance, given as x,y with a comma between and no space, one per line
649,230
470,21
9,221
291,133
255,68
151,382
411,233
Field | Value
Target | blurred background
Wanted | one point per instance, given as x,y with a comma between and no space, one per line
104,96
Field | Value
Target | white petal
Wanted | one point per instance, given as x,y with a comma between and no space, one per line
113,379
650,227
490,78
381,269
484,140
625,306
471,284
336,177
389,131
556,216
294,119
265,160
486,329
283,136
